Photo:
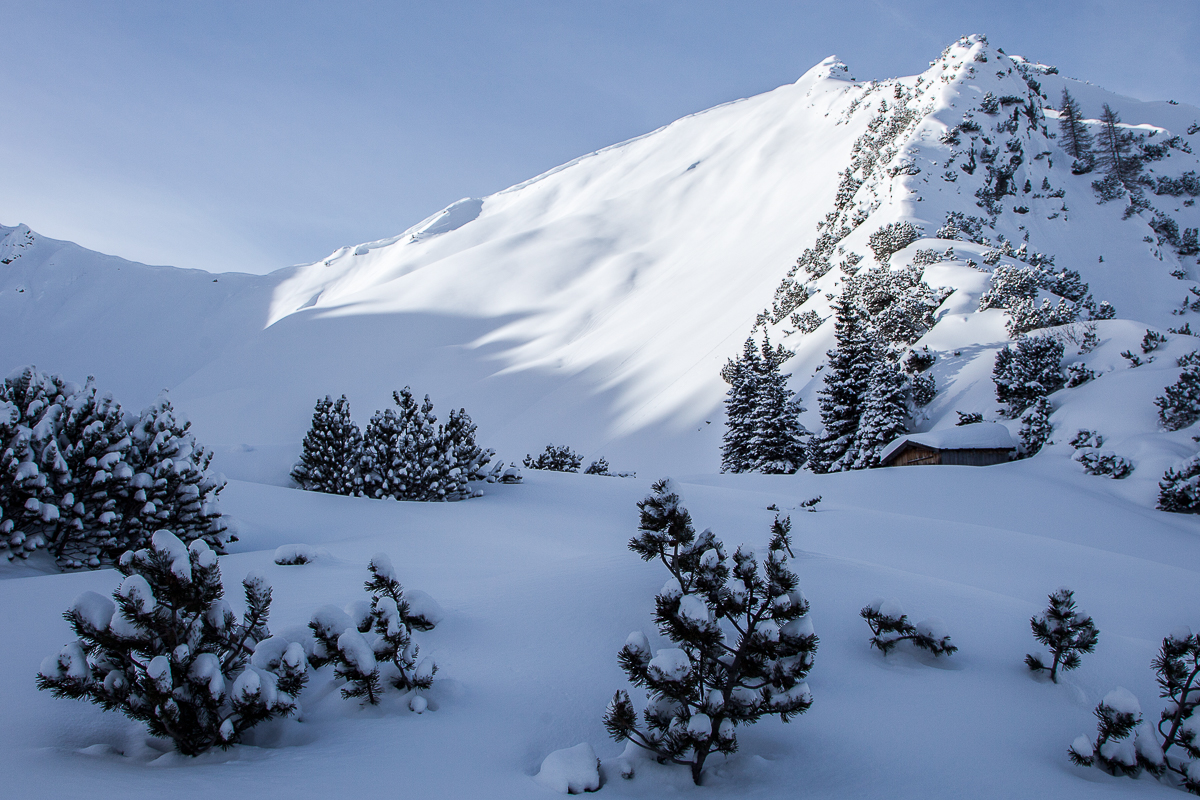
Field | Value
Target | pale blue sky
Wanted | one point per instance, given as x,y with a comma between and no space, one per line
253,135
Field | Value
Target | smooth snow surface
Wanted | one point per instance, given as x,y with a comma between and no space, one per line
540,591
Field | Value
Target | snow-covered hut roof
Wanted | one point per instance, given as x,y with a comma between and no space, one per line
977,436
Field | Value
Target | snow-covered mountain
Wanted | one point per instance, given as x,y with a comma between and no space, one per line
595,304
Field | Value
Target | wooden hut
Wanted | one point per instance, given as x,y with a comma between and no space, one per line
976,445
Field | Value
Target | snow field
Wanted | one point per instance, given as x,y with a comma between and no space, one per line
539,592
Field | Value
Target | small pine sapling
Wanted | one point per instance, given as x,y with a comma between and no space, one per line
969,418
1065,631
744,641
1120,747
1152,340
376,639
1134,360
811,503
172,654
890,626
393,622
1177,670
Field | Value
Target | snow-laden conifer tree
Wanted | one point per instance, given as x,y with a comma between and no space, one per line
97,442
407,456
171,485
741,401
85,481
171,653
1179,404
778,435
555,459
332,450
377,648
1035,427
1177,671
1065,631
1179,489
884,415
847,380
382,463
467,456
1029,369
743,641
763,431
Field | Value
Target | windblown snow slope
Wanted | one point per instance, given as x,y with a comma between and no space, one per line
594,305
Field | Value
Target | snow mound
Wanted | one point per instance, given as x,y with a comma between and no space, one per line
571,771
294,554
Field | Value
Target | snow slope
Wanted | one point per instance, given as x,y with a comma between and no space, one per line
595,304
540,592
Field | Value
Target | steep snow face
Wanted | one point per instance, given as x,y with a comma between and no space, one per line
594,305
138,329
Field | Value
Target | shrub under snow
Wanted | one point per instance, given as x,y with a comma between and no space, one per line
168,650
376,643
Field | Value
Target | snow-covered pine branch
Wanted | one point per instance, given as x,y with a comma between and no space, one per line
890,626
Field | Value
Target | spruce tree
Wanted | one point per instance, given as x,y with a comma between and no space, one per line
884,415
743,640
1065,631
1074,135
847,380
778,435
332,451
741,403
172,654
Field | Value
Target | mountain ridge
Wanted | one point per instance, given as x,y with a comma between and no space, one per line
594,304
